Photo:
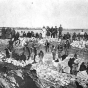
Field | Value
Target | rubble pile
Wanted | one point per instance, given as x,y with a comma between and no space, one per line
78,44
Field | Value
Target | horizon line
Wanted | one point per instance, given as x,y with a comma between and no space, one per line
42,27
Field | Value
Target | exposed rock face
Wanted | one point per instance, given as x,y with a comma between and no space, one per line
16,79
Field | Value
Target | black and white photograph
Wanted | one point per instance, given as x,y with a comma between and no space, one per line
43,43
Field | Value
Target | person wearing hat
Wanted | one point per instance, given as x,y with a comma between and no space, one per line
60,31
71,63
66,46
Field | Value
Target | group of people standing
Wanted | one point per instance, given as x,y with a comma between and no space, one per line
58,48
25,53
79,36
53,32
75,63
31,34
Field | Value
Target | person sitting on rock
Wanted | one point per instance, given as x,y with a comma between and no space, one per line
7,53
83,66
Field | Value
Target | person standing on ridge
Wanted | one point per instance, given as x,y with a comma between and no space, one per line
56,31
44,32
60,31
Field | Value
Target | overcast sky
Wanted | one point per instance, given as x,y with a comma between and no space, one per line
38,13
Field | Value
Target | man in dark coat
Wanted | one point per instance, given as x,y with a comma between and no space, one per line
10,44
71,62
60,31
56,31
47,44
24,34
52,29
74,36
7,53
28,34
17,36
48,32
27,51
